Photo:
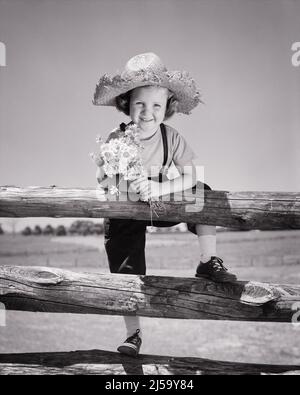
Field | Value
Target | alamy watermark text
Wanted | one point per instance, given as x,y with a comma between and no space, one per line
296,55
2,54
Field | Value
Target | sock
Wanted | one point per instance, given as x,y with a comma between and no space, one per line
208,247
132,323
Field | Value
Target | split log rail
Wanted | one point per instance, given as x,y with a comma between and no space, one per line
59,291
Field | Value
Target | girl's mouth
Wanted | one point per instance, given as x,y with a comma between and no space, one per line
146,120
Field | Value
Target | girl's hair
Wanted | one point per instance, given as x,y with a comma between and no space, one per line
123,104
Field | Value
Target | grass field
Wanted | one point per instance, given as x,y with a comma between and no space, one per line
261,256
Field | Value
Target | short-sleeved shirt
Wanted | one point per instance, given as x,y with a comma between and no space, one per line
179,151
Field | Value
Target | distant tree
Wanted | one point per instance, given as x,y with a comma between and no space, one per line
98,229
48,230
37,231
1,230
85,228
85,232
27,231
60,231
74,228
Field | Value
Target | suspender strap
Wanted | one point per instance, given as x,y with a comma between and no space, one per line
165,145
123,126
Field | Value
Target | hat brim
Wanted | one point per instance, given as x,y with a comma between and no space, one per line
179,83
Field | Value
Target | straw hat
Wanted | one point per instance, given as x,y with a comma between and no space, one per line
144,70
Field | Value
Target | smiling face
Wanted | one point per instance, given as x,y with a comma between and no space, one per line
148,108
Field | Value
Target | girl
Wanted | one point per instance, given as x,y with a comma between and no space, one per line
149,94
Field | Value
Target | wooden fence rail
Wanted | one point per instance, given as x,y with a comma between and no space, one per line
61,291
243,210
100,362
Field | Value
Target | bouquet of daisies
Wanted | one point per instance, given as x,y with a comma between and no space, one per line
122,156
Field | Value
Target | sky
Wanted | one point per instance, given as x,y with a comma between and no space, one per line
246,135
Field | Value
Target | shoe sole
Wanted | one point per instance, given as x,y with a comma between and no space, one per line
128,350
217,280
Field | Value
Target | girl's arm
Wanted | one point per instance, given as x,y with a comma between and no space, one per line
186,180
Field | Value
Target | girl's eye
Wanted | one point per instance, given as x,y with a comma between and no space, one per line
157,105
138,103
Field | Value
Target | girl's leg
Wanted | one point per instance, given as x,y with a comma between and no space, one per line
131,346
207,240
132,324
210,266
124,242
206,233
125,248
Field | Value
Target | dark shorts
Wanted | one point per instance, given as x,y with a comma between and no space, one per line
125,240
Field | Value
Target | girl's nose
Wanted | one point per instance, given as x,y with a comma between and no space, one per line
146,110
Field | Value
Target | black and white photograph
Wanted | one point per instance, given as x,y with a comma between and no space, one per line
149,190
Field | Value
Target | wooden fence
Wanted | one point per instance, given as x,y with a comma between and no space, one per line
60,291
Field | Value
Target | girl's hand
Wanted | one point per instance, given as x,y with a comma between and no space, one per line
153,191
97,159
100,174
139,184
99,162
146,188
